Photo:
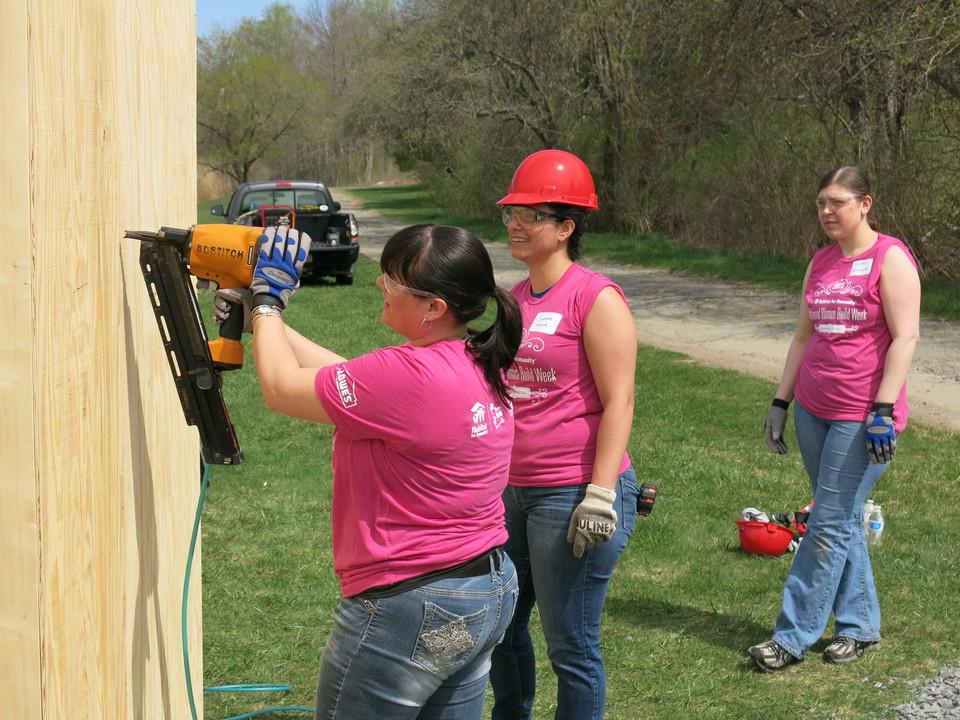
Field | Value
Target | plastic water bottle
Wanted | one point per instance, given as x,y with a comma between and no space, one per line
875,531
868,507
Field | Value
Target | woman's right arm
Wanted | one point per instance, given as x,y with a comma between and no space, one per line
287,387
788,379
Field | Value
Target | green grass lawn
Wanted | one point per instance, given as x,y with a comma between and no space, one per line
414,203
203,210
684,603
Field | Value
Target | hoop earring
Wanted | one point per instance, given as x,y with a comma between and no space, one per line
426,324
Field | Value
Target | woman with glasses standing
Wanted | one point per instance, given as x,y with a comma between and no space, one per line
420,461
847,369
572,497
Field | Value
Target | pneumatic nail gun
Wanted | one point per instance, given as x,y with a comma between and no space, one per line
224,255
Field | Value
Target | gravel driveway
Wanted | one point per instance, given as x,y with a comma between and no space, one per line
723,324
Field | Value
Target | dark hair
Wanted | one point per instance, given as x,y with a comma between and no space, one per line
853,179
850,176
453,264
579,216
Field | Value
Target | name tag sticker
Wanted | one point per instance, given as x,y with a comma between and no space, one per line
861,267
546,323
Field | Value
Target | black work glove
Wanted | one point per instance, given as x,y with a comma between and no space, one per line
774,426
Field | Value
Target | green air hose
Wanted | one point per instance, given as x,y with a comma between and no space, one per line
250,688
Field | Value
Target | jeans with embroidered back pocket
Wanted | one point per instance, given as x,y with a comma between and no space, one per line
831,572
423,653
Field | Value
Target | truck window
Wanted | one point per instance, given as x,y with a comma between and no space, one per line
308,199
258,198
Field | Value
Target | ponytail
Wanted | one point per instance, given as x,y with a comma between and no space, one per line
494,348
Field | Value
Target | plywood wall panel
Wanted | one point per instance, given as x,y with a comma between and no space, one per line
19,521
104,474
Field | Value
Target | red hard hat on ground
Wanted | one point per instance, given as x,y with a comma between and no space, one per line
763,538
552,176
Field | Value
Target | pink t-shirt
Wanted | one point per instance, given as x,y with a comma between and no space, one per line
844,358
421,454
555,399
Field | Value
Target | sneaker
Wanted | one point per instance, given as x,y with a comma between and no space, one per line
770,656
846,649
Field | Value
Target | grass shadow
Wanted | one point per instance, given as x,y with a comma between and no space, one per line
731,632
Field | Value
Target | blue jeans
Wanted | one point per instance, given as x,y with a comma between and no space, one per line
831,571
570,593
422,654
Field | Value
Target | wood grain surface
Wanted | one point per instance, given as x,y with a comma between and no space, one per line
100,472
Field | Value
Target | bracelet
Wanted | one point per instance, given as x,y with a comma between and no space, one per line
266,311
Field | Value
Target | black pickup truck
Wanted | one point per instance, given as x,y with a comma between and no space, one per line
307,206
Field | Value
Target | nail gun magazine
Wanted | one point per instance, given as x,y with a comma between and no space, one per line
225,256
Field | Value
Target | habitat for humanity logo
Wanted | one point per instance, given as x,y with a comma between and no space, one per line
479,413
347,387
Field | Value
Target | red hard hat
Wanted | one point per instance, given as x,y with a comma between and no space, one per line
763,538
552,176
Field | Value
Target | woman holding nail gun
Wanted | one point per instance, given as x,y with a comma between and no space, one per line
421,455
847,370
572,497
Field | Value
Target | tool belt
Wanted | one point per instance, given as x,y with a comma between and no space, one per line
480,565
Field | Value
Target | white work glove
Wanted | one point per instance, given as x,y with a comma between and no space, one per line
226,301
594,521
283,252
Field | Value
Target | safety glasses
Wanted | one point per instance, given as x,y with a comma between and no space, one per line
526,215
393,287
835,203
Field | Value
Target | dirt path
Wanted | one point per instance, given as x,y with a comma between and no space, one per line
721,324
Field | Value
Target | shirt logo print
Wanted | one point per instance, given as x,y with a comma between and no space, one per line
479,419
346,387
840,287
534,343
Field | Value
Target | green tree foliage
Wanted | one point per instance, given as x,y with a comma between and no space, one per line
708,121
711,121
279,96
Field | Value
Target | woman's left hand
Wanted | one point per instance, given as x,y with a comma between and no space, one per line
283,252
594,520
881,434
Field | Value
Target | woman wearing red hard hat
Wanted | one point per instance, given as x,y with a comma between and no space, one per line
572,494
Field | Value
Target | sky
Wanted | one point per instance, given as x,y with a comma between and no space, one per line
225,14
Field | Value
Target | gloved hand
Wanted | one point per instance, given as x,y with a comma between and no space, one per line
774,426
226,301
594,520
881,434
283,251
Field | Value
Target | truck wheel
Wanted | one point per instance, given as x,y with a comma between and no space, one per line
344,279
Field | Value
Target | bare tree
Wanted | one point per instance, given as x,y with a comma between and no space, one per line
251,91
